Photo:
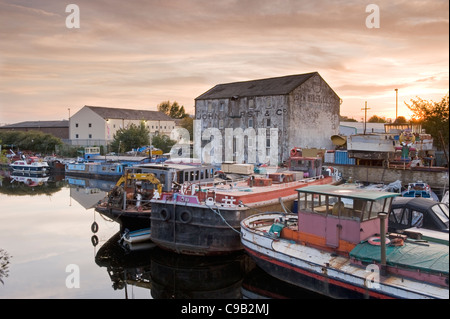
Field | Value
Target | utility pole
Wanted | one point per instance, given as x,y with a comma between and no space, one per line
396,105
365,116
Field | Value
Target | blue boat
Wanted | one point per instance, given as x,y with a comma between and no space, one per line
420,189
93,169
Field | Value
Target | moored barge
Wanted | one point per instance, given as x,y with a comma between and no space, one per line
337,245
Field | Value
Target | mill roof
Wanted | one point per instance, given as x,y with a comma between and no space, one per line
130,114
264,87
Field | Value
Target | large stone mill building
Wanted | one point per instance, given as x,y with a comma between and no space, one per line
303,108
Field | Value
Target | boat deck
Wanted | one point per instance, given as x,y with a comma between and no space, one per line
242,191
425,257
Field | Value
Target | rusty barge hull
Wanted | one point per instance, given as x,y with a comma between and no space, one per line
186,225
199,229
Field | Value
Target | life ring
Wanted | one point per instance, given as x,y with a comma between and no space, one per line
376,241
295,152
94,227
186,217
165,214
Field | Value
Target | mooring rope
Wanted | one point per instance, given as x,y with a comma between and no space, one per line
220,215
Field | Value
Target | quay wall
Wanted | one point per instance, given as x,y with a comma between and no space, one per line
373,174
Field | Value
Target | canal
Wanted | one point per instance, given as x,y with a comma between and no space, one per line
54,245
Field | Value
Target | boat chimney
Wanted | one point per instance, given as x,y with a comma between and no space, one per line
383,217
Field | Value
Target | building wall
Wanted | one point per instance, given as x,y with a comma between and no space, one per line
306,118
313,115
87,125
92,129
261,112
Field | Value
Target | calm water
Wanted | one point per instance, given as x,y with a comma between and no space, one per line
48,250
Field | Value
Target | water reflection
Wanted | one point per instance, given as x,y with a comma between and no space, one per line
124,266
168,275
260,285
88,192
172,276
17,183
192,277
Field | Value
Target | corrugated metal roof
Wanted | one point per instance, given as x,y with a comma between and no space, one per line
38,124
129,114
347,192
273,86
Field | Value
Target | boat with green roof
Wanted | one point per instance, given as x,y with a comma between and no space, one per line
337,244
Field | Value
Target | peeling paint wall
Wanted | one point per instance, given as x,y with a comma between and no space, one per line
307,117
313,116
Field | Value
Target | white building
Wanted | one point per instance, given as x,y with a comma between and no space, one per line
94,125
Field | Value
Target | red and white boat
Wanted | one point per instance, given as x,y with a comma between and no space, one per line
205,219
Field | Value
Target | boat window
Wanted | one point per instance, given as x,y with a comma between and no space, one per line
186,176
374,208
441,211
417,219
202,175
405,217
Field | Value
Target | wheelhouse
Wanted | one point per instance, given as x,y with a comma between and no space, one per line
339,217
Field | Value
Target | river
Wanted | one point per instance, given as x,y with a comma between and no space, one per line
49,249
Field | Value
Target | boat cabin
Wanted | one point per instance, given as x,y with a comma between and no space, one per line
310,166
177,174
337,218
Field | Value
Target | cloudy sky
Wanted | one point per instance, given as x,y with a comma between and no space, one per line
136,54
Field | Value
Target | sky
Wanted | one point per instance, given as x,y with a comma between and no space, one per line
137,54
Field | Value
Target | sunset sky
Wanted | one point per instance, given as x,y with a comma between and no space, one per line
137,54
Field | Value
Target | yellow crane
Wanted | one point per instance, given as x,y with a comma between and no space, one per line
148,177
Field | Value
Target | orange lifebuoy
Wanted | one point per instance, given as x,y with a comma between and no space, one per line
376,241
295,152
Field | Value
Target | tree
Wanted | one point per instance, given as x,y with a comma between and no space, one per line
174,110
343,118
401,120
188,124
163,142
434,118
133,136
34,141
376,119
